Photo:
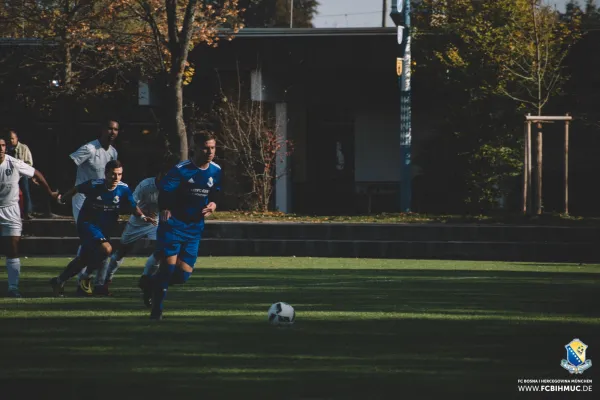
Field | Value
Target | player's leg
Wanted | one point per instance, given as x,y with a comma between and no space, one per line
152,263
160,285
99,263
115,262
186,262
177,274
168,246
150,268
93,249
145,282
131,235
89,236
76,203
10,228
77,264
72,269
13,264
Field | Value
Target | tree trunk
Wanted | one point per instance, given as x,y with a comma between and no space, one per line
175,122
179,43
68,68
179,122
538,210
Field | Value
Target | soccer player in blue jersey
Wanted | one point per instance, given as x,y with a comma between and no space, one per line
105,200
146,195
187,194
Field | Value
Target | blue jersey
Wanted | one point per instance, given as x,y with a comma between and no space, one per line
185,190
103,206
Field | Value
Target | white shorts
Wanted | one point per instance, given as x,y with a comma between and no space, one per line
77,202
133,233
10,221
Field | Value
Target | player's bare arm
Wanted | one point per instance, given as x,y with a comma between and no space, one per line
42,181
63,198
139,213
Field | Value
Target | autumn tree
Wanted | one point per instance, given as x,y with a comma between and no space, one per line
83,47
171,28
92,43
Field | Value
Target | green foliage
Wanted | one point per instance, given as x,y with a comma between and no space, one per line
497,60
491,167
523,42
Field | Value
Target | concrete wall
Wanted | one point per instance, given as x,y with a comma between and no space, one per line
297,126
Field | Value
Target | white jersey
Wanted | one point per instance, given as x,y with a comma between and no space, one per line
91,158
11,170
146,196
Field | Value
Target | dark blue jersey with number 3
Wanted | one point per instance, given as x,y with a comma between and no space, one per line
102,206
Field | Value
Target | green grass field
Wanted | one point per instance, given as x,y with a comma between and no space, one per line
365,329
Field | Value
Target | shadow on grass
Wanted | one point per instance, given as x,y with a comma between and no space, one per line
357,290
360,334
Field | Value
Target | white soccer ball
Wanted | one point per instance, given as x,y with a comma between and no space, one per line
281,314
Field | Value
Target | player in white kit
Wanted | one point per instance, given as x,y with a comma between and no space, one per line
146,195
11,170
91,158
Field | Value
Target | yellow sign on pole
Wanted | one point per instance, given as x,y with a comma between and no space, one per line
399,66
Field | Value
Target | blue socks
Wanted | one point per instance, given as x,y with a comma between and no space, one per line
74,267
180,277
160,285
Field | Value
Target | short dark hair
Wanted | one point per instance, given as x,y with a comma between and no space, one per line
104,125
112,164
6,134
203,137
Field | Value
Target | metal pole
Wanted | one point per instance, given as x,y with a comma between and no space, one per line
405,117
529,163
567,167
538,177
291,13
401,17
383,13
525,168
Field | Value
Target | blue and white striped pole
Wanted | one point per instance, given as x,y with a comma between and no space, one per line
401,18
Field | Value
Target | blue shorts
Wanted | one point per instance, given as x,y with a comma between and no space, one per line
91,236
175,238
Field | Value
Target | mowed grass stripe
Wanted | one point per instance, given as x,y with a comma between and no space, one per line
309,315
